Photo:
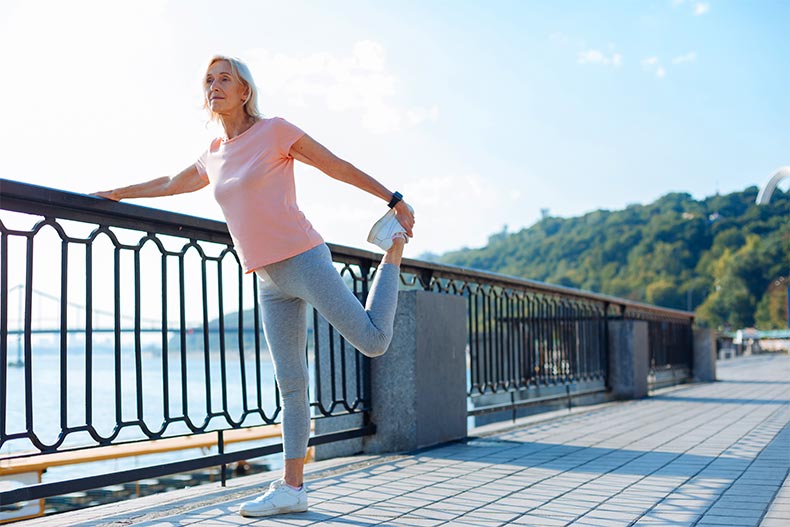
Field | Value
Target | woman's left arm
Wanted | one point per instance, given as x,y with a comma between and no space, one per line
309,151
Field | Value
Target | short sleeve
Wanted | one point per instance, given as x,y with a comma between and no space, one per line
286,134
200,164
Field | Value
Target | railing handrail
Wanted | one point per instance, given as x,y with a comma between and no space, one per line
33,199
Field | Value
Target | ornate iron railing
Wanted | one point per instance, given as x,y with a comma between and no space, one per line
531,343
134,324
176,279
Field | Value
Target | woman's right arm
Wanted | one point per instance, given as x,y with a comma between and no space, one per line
188,180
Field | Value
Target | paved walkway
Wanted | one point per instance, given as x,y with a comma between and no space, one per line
713,454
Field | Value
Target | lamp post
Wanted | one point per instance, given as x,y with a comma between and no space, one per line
763,197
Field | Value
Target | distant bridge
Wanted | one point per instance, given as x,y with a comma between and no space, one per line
151,325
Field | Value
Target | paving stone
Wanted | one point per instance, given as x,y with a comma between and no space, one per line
775,522
709,519
539,521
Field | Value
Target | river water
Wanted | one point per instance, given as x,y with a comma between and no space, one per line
143,395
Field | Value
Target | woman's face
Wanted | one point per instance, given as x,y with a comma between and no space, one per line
224,93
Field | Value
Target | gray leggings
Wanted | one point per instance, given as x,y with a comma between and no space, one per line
286,288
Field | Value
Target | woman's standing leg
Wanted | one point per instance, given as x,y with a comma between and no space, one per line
285,328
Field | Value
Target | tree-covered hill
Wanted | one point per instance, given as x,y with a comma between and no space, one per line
724,257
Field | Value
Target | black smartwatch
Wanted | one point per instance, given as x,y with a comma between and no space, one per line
396,197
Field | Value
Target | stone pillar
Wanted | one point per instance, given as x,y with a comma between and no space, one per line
704,358
629,359
419,385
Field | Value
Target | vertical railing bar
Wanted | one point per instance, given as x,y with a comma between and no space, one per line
498,351
603,330
529,337
553,340
242,365
332,367
64,335
117,335
89,334
182,334
221,450
544,341
590,342
572,332
484,324
28,342
3,332
502,343
343,379
496,363
165,347
222,358
513,343
538,312
510,338
523,337
563,338
471,331
206,345
138,346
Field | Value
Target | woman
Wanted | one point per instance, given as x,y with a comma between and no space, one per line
251,172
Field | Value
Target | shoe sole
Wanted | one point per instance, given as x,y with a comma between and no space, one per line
373,235
275,512
375,232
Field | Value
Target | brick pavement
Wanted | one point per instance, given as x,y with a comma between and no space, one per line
710,454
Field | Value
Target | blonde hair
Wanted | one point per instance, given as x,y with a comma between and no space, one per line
241,73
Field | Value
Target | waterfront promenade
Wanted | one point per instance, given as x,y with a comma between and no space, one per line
705,454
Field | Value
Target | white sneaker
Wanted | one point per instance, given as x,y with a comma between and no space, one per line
279,499
385,229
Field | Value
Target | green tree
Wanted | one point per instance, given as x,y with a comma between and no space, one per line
772,308
718,255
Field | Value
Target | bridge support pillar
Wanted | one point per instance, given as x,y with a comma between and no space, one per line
419,385
704,359
628,358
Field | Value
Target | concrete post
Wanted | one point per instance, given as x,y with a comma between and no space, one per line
628,358
704,358
419,385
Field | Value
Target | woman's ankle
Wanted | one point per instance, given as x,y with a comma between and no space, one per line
395,253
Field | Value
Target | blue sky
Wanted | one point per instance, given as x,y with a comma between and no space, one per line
481,113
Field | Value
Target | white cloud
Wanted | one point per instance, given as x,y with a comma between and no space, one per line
701,8
594,56
688,57
359,82
653,65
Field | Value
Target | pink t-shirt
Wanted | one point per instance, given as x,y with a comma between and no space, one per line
252,176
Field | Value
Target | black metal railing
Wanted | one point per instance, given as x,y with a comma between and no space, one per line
533,343
176,288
